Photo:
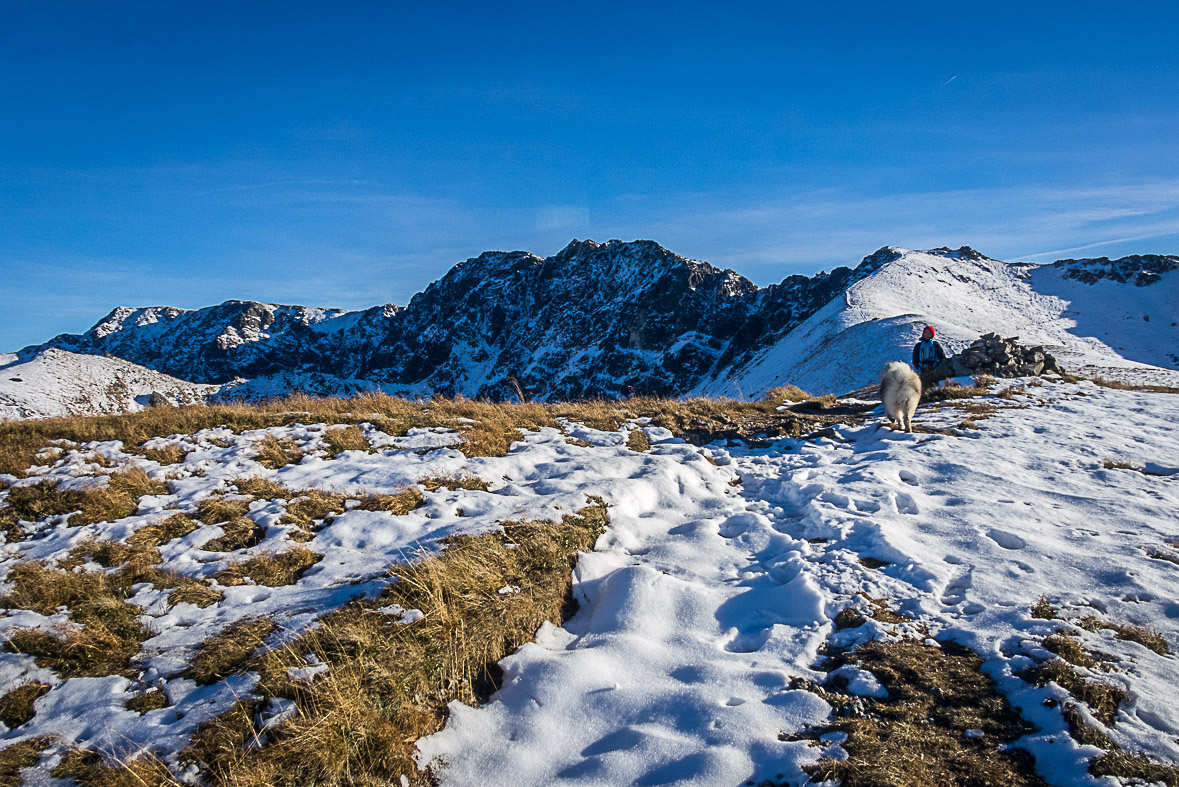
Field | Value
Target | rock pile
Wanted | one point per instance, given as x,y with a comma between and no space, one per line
991,354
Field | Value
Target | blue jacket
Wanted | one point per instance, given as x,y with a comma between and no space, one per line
933,355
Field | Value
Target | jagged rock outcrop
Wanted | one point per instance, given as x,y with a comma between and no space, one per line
1142,270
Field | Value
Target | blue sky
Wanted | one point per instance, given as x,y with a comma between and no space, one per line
347,154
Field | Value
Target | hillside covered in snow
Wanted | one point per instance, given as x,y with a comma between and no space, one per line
236,596
616,319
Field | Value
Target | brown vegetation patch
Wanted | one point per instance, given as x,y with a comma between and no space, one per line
88,769
149,701
160,533
15,757
118,499
263,488
1147,638
849,618
1043,610
237,533
308,512
16,707
1123,386
1135,766
346,438
952,390
1162,554
473,483
389,684
275,452
229,651
1103,699
916,735
881,610
108,631
637,441
272,570
1065,646
398,504
167,455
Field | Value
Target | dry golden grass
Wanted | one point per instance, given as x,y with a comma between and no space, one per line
118,499
952,390
495,427
1123,386
916,735
1147,638
1103,699
149,701
389,684
1065,646
215,510
167,455
308,512
637,441
1135,768
237,533
16,756
1043,610
272,570
107,632
229,651
275,452
160,533
263,488
397,504
474,483
16,707
88,769
346,438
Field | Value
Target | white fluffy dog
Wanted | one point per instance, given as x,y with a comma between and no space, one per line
900,390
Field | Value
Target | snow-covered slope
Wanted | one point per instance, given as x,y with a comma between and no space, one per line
55,382
1087,317
714,589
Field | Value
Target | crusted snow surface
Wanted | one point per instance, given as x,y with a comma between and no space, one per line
56,382
714,586
1108,328
703,600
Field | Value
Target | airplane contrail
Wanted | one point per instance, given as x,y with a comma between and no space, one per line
948,81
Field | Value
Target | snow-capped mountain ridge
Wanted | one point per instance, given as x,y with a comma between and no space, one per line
617,318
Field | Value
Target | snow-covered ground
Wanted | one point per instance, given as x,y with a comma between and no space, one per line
711,589
56,382
1111,329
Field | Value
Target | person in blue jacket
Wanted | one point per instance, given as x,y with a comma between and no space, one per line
927,354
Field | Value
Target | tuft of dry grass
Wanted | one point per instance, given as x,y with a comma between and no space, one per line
309,511
15,757
272,570
397,504
237,533
275,452
473,483
1162,554
1147,638
849,618
1043,610
1123,386
390,684
229,651
263,488
1084,732
346,438
160,533
147,702
167,455
916,735
16,707
637,441
1117,464
1065,646
108,631
118,499
1102,698
953,390
1136,768
88,769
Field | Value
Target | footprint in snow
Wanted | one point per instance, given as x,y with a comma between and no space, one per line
908,476
906,504
955,592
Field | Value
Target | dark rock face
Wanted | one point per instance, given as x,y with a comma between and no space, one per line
999,357
593,320
1140,270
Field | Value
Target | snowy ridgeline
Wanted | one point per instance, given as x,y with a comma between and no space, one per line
713,589
606,320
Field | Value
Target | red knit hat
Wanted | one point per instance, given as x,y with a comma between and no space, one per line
930,329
